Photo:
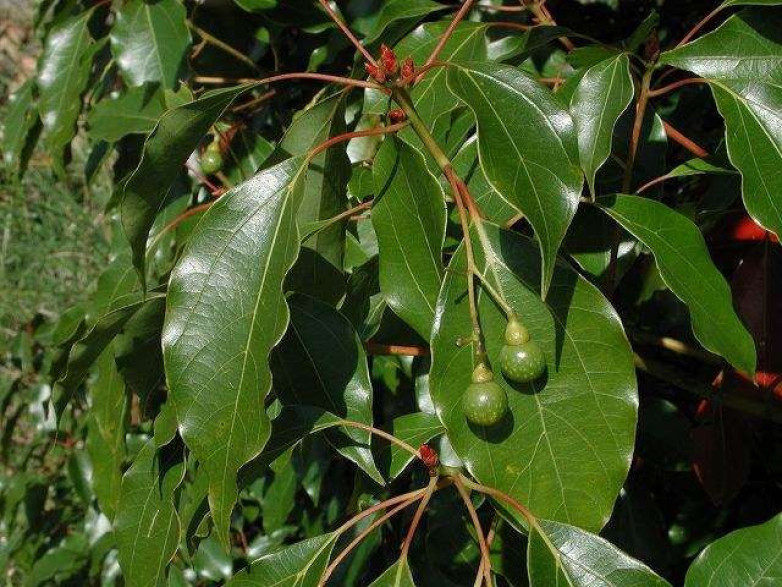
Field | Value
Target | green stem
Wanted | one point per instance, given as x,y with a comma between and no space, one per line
222,45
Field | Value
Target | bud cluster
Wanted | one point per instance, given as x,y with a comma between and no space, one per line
388,68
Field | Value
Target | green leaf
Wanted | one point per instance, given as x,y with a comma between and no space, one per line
166,150
491,203
364,303
415,429
62,562
746,80
150,40
225,312
327,176
687,269
565,447
397,575
526,157
21,128
409,218
601,97
147,526
559,554
321,363
298,565
89,347
106,435
697,167
135,112
395,11
280,497
749,556
62,78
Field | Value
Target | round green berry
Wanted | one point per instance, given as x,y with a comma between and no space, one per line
211,161
522,363
484,404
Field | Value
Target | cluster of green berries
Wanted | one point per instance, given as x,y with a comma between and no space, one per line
485,402
212,158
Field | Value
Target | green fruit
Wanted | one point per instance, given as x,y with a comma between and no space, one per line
677,534
484,402
522,363
211,161
516,332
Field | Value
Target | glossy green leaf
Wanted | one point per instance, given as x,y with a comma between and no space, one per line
364,303
749,556
415,429
135,112
746,80
150,41
527,157
62,78
394,12
697,167
89,347
409,217
20,128
559,554
684,263
298,565
106,436
492,204
397,575
603,94
321,363
147,526
166,150
327,176
564,449
225,312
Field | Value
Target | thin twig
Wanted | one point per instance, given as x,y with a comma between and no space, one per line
382,434
675,85
489,540
684,141
222,45
694,31
501,496
348,33
366,532
374,348
379,130
335,79
485,555
430,489
449,31
255,101
500,8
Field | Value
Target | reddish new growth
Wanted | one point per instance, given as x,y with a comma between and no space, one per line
387,68
428,456
408,69
396,115
388,59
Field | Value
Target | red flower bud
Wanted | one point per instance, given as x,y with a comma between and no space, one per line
428,456
376,73
397,115
408,69
388,59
